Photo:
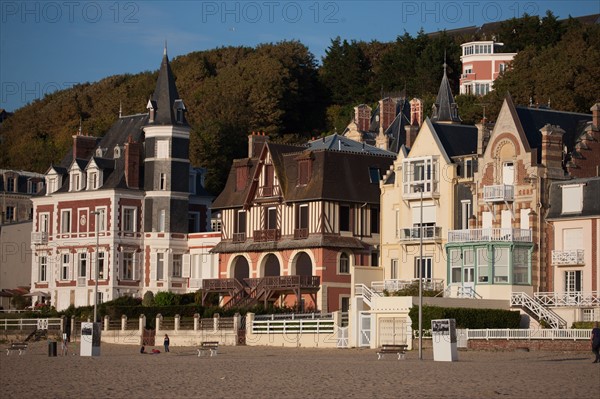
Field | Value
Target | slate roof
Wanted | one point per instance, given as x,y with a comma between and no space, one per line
319,241
591,193
343,176
445,108
533,119
342,143
458,140
165,95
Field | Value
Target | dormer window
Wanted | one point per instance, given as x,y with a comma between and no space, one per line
151,111
93,180
76,181
11,183
51,184
117,152
572,198
179,110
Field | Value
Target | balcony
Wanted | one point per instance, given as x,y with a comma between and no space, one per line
239,237
494,234
430,233
300,234
267,235
498,193
570,257
39,238
269,191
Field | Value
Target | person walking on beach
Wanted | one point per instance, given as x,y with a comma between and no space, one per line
596,342
166,343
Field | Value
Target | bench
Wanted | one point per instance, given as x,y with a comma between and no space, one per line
399,350
17,346
210,347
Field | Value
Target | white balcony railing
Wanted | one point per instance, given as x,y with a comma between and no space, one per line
494,234
432,284
568,257
414,233
39,237
498,193
574,298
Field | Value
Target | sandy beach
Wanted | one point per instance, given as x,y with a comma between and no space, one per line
267,372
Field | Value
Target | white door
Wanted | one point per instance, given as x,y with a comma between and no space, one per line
364,330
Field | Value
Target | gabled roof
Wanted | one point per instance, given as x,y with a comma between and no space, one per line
81,163
165,96
591,193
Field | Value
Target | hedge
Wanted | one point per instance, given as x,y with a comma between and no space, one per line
467,317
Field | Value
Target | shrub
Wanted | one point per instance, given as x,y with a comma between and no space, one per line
165,298
148,299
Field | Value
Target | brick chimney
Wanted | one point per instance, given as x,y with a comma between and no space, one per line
416,111
483,136
133,153
411,135
83,146
255,143
362,117
596,116
552,150
387,113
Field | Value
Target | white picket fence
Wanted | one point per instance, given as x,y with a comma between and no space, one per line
30,324
296,326
546,333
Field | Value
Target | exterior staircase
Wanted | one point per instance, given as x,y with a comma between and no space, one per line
364,292
536,309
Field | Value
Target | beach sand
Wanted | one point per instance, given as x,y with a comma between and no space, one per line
267,372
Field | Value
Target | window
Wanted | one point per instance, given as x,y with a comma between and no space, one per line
127,270
82,264
177,265
344,266
302,219
93,180
101,259
502,68
482,265
10,213
520,266
240,225
160,266
43,226
129,215
192,183
455,265
420,175
375,259
394,269
468,266
162,182
161,220
43,262
466,210
344,218
572,198
573,281
162,149
30,187
304,171
193,222
65,222
374,175
344,304
100,297
374,220
65,267
271,220
425,267
10,184
501,261
101,218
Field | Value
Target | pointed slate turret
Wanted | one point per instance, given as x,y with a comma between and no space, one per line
445,109
166,107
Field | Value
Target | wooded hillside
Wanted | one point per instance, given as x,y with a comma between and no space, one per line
281,90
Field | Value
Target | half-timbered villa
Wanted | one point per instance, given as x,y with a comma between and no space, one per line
296,220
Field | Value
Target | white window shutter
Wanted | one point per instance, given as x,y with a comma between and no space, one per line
36,270
186,266
153,266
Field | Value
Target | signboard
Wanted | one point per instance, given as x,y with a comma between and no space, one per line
443,335
42,324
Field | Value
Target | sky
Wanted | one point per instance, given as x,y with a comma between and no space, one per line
52,45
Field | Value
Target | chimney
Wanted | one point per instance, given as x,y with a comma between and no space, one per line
132,163
416,111
255,144
83,146
552,150
362,117
472,222
387,113
483,136
596,116
411,135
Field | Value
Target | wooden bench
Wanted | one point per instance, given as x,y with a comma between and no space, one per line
399,350
16,346
210,347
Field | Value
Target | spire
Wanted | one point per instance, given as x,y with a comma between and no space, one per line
445,108
168,106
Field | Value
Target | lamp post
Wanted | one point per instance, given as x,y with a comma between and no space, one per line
96,213
421,280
